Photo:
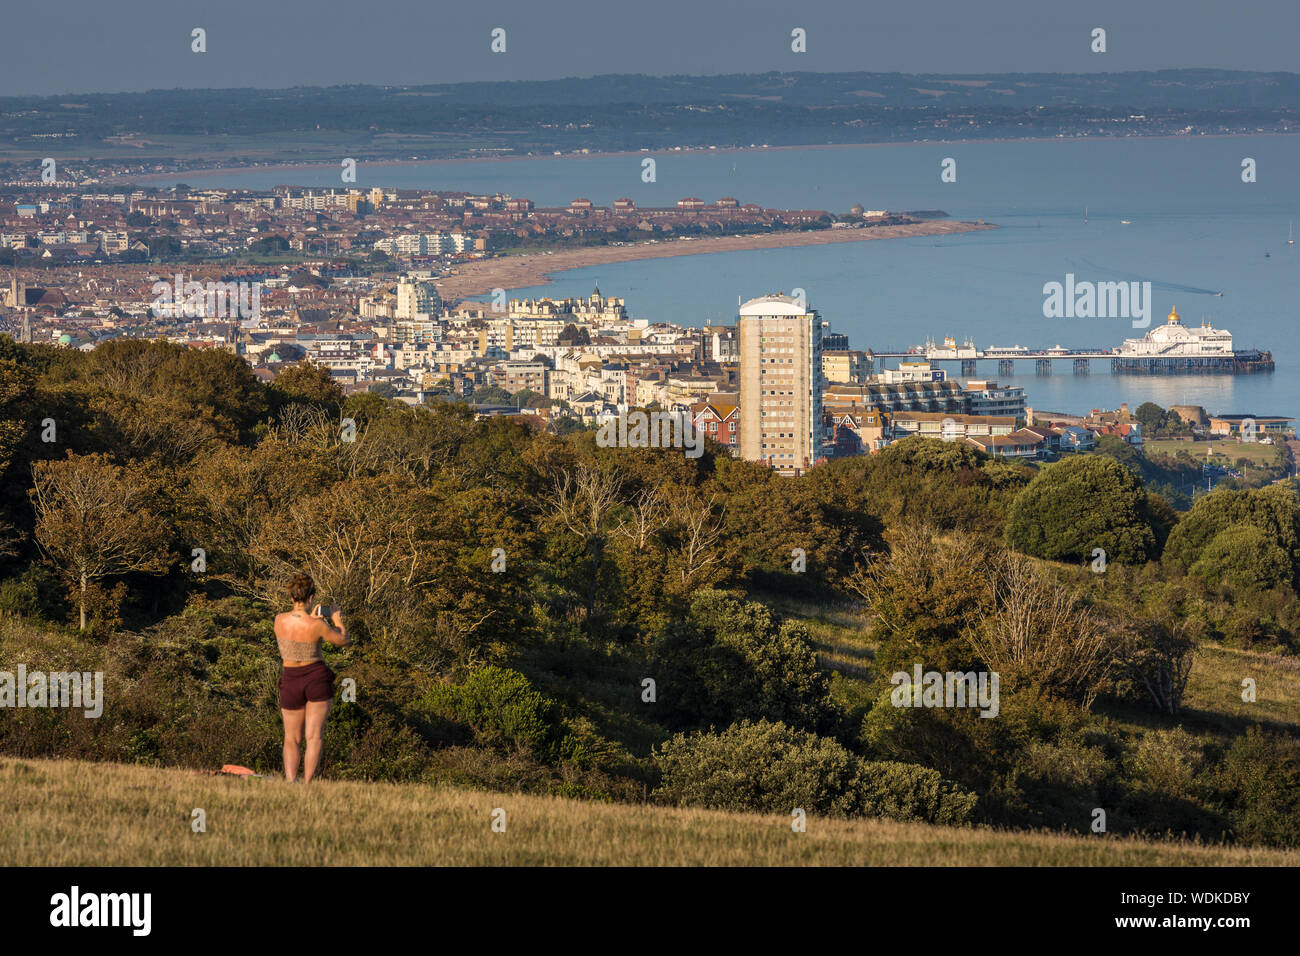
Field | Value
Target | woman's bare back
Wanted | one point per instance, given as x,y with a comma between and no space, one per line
298,636
297,626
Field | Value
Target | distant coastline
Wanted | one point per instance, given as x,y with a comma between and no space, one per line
685,151
480,277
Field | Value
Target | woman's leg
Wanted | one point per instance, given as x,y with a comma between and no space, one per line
316,713
293,725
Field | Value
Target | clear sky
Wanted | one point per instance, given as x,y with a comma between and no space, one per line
111,45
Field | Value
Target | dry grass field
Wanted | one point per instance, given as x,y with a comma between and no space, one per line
85,814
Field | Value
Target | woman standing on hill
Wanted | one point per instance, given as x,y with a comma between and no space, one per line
306,684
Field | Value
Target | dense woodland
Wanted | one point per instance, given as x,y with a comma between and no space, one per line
533,612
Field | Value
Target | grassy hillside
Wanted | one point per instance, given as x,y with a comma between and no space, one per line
1214,709
82,814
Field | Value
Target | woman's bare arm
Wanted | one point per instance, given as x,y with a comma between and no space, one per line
334,631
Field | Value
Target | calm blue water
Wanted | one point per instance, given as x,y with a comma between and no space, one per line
1196,230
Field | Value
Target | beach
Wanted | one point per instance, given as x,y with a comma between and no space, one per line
532,269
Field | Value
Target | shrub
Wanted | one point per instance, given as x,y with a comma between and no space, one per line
1080,504
1167,791
1167,761
771,768
35,593
1155,660
1259,788
1038,634
1056,782
1244,557
373,749
500,707
909,792
1242,629
762,767
731,661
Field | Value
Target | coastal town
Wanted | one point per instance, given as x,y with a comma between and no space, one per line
558,437
375,287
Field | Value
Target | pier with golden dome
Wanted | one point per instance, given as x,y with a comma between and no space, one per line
1170,348
1174,348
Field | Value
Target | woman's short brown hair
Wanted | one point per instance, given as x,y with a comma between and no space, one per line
301,588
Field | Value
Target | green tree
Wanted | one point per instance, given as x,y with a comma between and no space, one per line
1152,417
1273,511
572,335
491,395
923,596
310,383
1078,505
1243,557
93,521
731,660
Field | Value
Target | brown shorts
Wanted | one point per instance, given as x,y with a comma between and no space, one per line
314,682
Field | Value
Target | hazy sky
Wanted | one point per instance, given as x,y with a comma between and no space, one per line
111,45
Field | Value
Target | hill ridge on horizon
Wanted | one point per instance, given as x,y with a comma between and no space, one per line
700,81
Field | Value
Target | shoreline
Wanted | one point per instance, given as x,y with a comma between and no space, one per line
535,269
690,151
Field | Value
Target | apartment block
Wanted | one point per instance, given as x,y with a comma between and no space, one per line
845,367
780,383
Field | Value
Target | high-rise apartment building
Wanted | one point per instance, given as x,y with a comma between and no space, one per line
780,383
415,298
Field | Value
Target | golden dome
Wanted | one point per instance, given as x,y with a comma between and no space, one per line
1173,315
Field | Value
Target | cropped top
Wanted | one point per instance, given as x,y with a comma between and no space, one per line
299,650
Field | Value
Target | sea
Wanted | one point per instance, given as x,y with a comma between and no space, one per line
1175,212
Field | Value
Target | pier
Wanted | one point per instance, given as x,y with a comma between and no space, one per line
1239,362
968,355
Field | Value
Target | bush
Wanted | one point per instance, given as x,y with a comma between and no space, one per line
906,791
769,767
731,661
1166,792
1272,511
1083,503
1242,629
761,767
500,707
35,593
1167,761
1056,782
1243,557
1259,788
363,747
1154,660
